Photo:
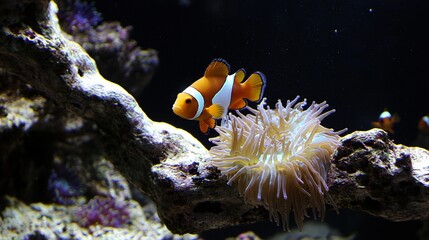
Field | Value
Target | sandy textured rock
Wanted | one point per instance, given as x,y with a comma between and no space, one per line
168,164
20,221
373,174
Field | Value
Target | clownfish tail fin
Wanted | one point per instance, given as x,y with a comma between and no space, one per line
255,86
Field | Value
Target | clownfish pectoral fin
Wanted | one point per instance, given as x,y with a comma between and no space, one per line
239,75
216,110
254,86
239,104
217,68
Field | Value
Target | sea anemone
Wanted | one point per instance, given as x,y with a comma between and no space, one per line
278,158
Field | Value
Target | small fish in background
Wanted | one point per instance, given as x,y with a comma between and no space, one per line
422,139
423,125
386,121
211,96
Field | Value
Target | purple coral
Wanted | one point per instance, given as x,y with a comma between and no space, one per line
104,211
79,16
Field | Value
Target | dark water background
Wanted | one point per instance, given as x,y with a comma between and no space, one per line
360,56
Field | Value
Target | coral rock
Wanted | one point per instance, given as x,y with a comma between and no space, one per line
373,174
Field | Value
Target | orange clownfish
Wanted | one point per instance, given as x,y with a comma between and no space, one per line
386,121
211,96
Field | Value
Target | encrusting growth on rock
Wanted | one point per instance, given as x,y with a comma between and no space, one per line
278,158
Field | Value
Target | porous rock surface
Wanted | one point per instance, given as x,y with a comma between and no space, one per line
373,174
51,221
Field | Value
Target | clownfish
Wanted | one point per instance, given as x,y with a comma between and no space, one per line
424,124
212,95
386,121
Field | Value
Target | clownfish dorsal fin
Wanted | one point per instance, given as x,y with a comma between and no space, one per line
215,110
239,75
217,68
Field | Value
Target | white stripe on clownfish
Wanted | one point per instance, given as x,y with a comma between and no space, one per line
200,100
223,96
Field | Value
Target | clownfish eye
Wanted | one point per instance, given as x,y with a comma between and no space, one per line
188,100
